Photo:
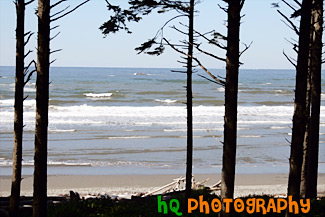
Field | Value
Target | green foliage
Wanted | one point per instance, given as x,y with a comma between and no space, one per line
84,208
118,21
147,45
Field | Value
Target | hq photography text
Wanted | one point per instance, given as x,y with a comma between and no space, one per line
250,205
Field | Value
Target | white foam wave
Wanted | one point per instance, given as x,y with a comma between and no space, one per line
221,89
8,163
277,128
168,101
69,118
29,89
61,130
249,136
128,137
139,73
98,95
11,102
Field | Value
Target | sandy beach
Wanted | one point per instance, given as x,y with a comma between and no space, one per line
126,185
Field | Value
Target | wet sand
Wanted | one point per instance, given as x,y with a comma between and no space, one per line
126,185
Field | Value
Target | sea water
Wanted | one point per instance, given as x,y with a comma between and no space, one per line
133,121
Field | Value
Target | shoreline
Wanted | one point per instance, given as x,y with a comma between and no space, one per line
127,185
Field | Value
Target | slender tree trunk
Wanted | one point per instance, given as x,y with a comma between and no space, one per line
189,104
299,117
306,153
312,168
18,121
42,96
231,92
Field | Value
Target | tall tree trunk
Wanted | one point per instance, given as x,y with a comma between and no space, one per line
304,169
231,92
313,149
189,104
18,121
42,97
299,117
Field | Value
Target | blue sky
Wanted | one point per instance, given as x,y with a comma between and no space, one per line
83,44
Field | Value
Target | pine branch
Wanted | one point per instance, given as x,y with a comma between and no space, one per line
298,3
212,41
293,26
56,4
29,52
54,51
210,54
27,3
54,27
30,73
55,36
290,6
178,30
295,46
28,38
246,48
52,20
60,11
52,61
209,79
222,8
290,59
197,61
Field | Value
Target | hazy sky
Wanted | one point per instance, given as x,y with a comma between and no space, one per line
84,45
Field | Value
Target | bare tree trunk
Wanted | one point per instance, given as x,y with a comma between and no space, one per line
18,121
299,117
231,92
304,169
42,96
313,149
189,95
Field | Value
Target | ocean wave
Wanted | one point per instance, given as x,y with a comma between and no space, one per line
61,130
98,95
11,102
167,101
87,163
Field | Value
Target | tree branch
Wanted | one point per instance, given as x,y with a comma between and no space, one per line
52,61
222,8
27,3
295,46
54,51
30,73
28,38
198,62
246,48
55,36
54,27
211,41
60,11
210,54
293,26
298,3
290,59
59,2
209,79
30,51
52,20
178,30
290,6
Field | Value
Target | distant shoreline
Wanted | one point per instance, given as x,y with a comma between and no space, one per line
126,185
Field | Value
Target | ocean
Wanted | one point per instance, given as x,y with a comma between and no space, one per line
133,121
